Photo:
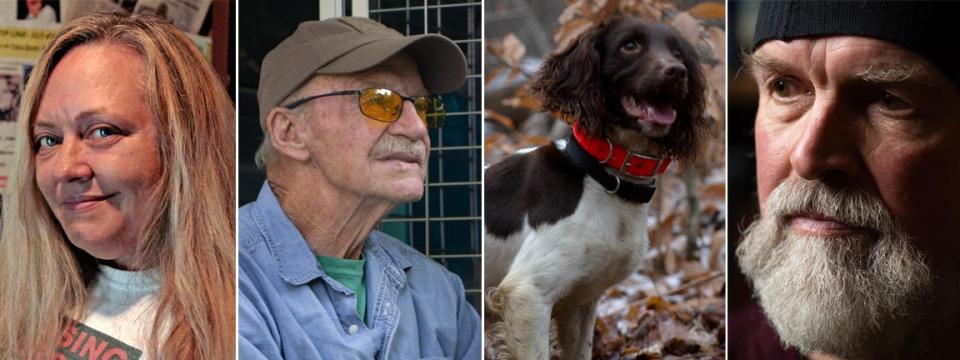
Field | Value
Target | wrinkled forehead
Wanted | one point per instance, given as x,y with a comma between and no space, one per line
870,59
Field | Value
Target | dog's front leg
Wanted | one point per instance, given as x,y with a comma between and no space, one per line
526,314
575,331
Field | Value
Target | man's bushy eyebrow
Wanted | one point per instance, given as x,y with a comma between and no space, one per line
886,72
753,63
898,71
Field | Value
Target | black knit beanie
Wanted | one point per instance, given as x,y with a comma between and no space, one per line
929,28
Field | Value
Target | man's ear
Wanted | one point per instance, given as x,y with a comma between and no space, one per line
287,133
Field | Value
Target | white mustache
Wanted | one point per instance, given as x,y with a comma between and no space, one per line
397,144
850,207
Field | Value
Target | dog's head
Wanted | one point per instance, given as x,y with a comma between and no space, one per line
629,79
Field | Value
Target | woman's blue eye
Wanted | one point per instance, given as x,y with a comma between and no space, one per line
46,141
103,132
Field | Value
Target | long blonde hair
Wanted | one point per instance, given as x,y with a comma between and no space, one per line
190,237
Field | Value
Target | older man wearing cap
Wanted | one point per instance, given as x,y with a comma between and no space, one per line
344,110
855,253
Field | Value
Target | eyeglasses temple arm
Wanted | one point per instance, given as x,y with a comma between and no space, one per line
293,105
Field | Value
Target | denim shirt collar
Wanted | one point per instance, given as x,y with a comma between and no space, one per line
294,259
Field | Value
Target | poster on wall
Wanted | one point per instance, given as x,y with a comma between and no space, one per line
33,13
12,77
187,15
26,26
73,9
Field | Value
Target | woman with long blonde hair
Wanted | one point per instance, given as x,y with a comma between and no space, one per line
118,230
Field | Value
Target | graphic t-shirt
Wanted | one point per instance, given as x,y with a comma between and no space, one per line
119,318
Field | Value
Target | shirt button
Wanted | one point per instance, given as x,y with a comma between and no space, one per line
353,329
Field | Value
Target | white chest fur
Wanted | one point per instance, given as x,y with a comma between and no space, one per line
575,259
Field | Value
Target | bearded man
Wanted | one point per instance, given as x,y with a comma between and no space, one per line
858,165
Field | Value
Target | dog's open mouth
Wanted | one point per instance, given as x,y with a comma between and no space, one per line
647,113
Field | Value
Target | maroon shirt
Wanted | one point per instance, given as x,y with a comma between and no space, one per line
753,338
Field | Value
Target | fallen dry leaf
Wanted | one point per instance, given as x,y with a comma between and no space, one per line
687,26
569,32
509,49
716,37
501,119
709,10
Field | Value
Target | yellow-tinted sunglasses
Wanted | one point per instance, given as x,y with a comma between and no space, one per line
385,105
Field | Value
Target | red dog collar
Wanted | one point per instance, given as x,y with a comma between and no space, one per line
620,159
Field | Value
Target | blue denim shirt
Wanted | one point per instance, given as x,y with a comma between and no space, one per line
289,308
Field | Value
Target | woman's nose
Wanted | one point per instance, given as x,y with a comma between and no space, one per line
71,162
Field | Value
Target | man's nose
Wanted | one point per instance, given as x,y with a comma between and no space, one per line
828,144
409,125
71,162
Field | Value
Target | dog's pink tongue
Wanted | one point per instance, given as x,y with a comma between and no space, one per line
646,113
664,115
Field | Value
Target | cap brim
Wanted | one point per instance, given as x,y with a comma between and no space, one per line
440,62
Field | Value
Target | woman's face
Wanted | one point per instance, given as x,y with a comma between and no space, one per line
95,149
34,6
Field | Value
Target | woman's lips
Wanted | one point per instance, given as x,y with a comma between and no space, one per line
820,225
84,202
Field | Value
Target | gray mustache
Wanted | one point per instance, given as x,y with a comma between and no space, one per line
395,144
854,207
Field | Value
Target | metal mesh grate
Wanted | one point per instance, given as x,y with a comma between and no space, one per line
446,224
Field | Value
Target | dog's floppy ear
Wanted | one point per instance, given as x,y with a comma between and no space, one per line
569,82
691,125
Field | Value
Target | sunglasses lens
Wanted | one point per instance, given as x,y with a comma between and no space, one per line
380,104
431,111
422,104
386,105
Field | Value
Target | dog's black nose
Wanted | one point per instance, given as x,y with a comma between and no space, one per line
675,72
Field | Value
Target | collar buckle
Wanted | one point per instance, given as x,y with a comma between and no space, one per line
634,155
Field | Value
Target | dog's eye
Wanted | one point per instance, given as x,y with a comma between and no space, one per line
676,52
630,47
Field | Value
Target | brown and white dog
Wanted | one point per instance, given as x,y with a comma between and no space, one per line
563,225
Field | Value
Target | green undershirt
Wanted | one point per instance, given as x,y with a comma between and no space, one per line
350,274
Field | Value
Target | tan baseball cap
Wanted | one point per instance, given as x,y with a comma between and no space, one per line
347,45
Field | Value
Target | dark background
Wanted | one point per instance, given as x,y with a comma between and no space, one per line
741,173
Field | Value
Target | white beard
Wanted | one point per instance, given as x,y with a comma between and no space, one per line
848,296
